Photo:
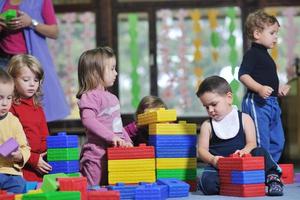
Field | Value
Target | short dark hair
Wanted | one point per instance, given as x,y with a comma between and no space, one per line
5,77
215,84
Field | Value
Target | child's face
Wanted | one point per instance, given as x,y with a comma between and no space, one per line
6,96
27,83
110,73
267,37
217,106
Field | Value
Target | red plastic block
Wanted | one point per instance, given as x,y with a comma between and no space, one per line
120,153
5,196
193,185
287,173
235,162
225,176
243,190
106,195
74,184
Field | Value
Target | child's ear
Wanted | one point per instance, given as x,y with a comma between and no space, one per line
256,34
229,98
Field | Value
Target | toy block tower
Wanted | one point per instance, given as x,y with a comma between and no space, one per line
63,153
131,164
242,176
175,145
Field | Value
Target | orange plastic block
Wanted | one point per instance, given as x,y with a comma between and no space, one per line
74,184
287,173
120,153
243,190
247,162
103,195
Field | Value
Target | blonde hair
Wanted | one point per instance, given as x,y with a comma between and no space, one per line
258,21
15,65
5,77
148,102
91,67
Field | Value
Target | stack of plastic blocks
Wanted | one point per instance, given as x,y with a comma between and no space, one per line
175,147
74,184
74,195
8,147
287,176
63,153
6,196
242,176
126,191
176,188
103,195
131,165
151,191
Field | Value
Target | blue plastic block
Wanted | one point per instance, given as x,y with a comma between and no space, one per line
172,140
62,140
176,187
151,191
126,191
175,152
30,185
64,166
248,177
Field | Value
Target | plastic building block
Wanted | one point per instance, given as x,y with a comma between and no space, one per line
74,184
176,163
287,173
246,190
30,185
172,141
131,165
126,191
119,153
247,162
62,140
18,196
35,191
175,152
193,185
49,182
74,174
157,115
64,166
103,195
182,128
181,174
248,177
8,15
176,188
8,147
225,176
52,196
297,177
131,177
63,154
96,188
6,196
151,191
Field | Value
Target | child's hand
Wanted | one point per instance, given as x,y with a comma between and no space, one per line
118,142
265,91
283,90
43,167
128,144
240,152
16,157
215,160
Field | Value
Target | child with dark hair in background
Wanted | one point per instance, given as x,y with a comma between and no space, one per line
141,134
28,75
258,73
99,112
228,131
11,178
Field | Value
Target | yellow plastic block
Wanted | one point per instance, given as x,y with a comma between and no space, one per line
131,177
35,191
182,128
176,163
156,116
18,196
131,165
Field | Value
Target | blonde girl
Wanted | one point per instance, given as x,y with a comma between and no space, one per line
28,76
99,112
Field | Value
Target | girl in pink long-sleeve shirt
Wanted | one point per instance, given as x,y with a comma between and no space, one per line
99,112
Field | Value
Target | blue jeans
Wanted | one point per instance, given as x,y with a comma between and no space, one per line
266,115
12,183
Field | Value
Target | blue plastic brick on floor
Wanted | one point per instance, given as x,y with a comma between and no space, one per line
176,188
62,140
126,191
151,192
248,177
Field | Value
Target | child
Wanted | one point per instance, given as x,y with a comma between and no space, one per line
140,134
11,178
99,112
28,76
226,132
258,73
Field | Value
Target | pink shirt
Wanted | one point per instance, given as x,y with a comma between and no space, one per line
14,42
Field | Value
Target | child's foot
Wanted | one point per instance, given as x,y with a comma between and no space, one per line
275,186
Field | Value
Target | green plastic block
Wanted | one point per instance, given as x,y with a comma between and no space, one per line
49,182
53,196
181,174
63,154
76,174
8,15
